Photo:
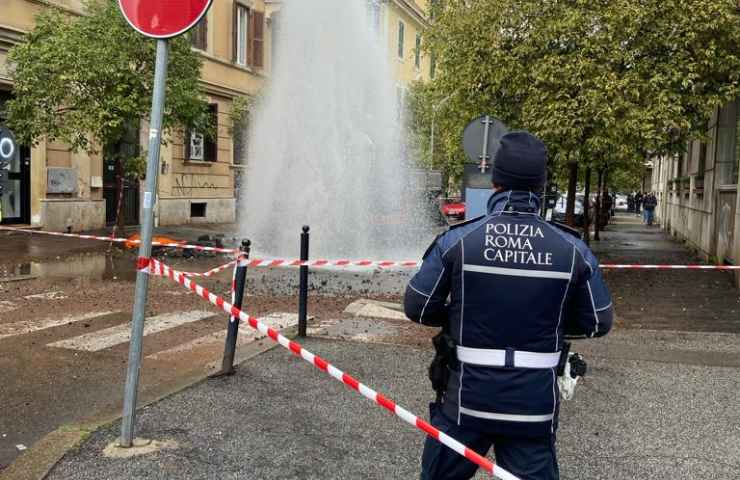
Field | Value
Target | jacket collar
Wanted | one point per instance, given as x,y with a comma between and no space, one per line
513,201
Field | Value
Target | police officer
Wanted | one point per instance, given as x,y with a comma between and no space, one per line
518,287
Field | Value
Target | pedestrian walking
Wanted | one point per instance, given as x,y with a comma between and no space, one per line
518,287
631,203
650,202
638,202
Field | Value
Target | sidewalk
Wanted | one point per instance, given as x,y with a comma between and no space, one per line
702,301
280,418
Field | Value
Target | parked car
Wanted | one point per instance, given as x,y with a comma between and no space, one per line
621,202
452,209
558,213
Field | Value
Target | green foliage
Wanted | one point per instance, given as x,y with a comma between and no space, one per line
240,109
602,82
85,80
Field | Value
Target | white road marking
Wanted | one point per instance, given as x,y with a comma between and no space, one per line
47,296
109,337
30,326
246,335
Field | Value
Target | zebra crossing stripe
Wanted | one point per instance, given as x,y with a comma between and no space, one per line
110,337
30,326
216,339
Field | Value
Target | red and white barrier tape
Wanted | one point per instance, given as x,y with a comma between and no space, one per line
183,246
213,271
284,262
612,266
157,268
370,264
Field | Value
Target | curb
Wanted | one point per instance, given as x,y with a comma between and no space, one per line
39,460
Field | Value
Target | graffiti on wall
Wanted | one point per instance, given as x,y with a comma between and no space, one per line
186,183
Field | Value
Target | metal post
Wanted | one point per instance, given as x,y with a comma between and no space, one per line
431,139
240,282
484,153
145,247
303,285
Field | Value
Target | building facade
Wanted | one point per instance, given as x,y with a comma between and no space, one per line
58,189
698,191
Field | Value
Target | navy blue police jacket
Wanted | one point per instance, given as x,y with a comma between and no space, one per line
509,288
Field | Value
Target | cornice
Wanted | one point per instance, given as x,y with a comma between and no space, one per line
9,36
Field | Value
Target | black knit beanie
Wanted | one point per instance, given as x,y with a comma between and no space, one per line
520,163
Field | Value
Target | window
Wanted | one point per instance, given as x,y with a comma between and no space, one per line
401,35
241,33
240,138
199,34
201,148
702,159
198,210
727,145
417,52
248,45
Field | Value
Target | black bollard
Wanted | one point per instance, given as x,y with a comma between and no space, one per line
303,285
240,282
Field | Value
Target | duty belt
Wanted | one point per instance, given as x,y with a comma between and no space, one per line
507,358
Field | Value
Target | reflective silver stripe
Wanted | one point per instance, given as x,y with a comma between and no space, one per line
497,358
506,417
516,272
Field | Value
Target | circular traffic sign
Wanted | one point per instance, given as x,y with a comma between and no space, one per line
475,141
7,145
163,18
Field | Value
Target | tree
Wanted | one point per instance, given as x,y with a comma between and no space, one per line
87,81
600,81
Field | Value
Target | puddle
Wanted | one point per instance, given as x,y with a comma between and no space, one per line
96,266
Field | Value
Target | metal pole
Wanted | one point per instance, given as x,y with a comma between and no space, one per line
484,154
240,282
431,140
145,247
303,285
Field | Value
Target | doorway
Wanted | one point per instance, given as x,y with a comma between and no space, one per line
16,197
114,156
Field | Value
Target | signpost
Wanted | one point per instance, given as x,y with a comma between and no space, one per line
159,19
481,140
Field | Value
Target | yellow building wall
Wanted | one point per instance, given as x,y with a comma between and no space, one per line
413,16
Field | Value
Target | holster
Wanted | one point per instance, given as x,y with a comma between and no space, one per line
445,357
563,359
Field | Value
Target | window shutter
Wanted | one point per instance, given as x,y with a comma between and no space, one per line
258,31
235,34
186,144
250,38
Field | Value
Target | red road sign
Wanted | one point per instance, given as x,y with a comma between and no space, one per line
163,18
